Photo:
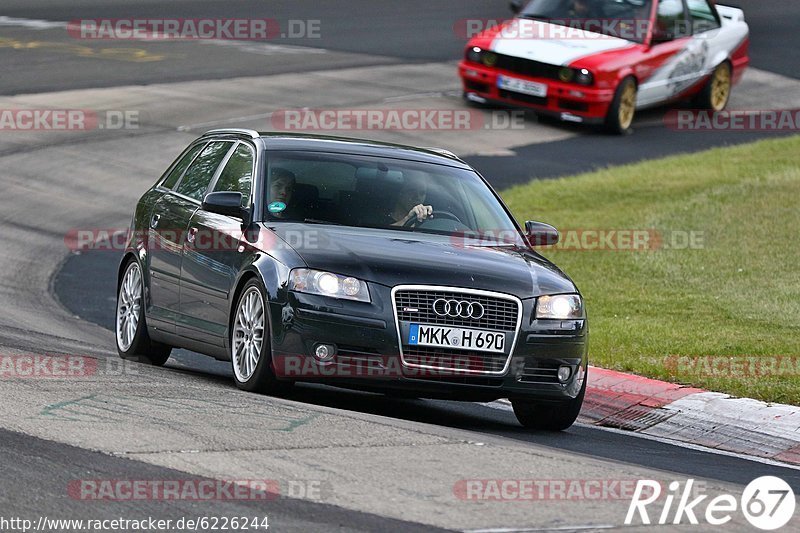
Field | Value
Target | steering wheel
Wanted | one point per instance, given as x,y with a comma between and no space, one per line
435,214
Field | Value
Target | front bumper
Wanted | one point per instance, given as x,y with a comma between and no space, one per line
368,354
567,101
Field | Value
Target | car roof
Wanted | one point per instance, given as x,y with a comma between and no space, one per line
285,141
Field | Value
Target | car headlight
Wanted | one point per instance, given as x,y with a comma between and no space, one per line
580,76
559,307
328,284
474,54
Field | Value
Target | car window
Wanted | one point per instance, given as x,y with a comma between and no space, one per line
237,176
702,15
181,167
374,192
671,18
198,177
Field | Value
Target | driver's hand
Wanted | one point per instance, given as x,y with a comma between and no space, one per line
421,212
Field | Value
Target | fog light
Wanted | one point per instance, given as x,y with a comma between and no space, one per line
564,372
324,352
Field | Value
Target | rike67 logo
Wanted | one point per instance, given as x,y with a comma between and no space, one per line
767,502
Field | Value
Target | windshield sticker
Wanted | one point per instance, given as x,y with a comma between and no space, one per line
276,207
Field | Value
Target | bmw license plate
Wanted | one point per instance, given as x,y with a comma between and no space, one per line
522,86
460,338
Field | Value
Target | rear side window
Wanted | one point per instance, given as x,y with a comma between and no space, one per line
702,15
237,176
198,177
180,168
671,19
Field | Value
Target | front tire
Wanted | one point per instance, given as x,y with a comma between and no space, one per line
623,107
251,356
133,341
549,416
717,92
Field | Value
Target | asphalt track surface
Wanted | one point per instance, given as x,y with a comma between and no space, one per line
38,462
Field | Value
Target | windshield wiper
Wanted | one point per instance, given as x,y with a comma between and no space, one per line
533,17
318,221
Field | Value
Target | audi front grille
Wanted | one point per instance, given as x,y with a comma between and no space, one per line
464,308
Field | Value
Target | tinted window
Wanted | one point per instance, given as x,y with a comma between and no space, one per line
671,18
703,17
197,179
237,176
374,192
180,168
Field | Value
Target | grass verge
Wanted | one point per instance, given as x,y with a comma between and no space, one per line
713,300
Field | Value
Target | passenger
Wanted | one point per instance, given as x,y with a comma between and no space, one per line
281,189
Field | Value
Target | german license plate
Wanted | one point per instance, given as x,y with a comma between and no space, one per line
522,86
459,338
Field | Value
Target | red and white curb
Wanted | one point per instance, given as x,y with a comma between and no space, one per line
696,417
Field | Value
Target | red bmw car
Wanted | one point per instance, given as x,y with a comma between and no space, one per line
598,61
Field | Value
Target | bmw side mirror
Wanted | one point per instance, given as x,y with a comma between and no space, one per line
516,6
228,204
661,35
540,234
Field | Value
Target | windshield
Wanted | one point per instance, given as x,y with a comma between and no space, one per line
375,192
626,19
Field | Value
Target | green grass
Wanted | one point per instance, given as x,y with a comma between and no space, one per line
737,296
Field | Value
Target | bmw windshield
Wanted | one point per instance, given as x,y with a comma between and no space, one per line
626,19
377,192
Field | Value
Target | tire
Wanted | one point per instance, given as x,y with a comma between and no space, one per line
717,92
549,416
623,107
251,356
130,329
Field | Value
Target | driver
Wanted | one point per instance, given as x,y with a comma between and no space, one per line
410,202
281,188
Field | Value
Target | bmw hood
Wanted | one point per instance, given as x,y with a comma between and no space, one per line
540,41
391,257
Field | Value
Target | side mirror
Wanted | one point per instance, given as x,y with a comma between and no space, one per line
228,204
516,6
540,234
661,35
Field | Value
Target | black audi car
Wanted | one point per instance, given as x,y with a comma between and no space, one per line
359,264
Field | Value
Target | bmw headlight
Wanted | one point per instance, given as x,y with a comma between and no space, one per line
559,307
581,76
474,54
328,284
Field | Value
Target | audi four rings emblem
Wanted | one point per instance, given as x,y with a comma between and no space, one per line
458,309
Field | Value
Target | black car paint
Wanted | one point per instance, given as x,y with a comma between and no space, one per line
198,290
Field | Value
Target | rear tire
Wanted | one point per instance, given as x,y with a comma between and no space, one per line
251,356
133,341
623,107
549,416
717,92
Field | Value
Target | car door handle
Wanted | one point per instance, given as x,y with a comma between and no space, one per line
154,220
191,235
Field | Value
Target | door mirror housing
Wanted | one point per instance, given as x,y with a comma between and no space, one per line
540,234
660,35
228,204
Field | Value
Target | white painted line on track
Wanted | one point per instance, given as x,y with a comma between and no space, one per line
587,527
